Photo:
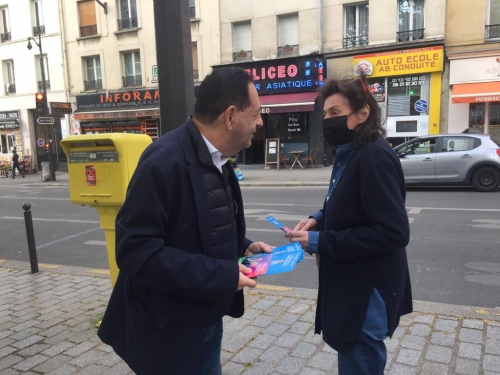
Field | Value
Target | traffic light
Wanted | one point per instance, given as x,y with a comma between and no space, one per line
40,103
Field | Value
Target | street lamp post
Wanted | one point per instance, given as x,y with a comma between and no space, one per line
52,162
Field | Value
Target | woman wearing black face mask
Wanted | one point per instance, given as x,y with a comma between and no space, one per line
360,234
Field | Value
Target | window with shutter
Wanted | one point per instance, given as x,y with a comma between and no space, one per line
288,30
88,21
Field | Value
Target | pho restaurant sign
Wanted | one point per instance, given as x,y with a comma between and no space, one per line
279,76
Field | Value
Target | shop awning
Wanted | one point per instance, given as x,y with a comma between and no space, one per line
476,92
117,112
297,102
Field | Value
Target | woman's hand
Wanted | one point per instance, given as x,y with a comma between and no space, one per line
307,224
300,236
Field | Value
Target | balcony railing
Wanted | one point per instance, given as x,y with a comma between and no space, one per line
288,50
88,30
10,88
5,36
492,32
127,23
93,85
354,41
195,75
192,12
40,85
38,30
132,81
407,36
242,56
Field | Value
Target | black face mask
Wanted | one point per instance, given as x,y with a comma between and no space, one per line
336,132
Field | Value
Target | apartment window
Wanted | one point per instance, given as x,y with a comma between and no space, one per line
7,143
38,22
10,78
410,20
128,14
194,52
356,25
88,20
242,40
93,73
4,25
288,34
492,30
192,9
132,69
45,70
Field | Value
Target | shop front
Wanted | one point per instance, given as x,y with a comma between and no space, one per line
136,111
475,95
407,87
287,92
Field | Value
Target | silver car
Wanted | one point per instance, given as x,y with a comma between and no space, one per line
452,159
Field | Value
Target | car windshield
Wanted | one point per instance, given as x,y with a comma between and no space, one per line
496,140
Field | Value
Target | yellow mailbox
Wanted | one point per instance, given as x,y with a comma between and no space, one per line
100,167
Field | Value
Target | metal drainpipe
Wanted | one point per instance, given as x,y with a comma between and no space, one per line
320,27
64,50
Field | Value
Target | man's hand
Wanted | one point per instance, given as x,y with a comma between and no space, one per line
258,247
245,281
307,224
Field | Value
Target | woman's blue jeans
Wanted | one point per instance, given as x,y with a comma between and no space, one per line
210,356
368,358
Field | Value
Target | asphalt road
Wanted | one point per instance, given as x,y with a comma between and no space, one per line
454,252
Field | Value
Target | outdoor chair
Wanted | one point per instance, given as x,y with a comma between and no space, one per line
311,159
284,159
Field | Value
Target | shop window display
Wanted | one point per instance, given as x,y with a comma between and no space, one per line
403,92
477,115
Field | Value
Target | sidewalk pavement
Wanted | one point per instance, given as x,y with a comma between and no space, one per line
254,175
47,327
47,319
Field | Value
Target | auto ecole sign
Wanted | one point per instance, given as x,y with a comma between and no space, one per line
404,62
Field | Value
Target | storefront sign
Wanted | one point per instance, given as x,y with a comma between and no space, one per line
413,61
118,99
296,74
9,115
407,81
478,69
60,108
117,114
9,125
421,105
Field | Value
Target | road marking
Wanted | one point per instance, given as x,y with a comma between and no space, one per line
100,272
66,238
488,224
101,243
3,260
457,209
410,219
49,266
41,219
414,210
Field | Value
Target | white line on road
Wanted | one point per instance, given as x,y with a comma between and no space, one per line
414,210
410,219
456,209
40,219
66,238
100,243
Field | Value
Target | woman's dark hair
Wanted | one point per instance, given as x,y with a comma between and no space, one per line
220,89
357,93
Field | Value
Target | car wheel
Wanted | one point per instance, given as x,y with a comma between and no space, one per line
486,179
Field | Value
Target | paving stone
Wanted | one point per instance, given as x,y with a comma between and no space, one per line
445,325
5,341
79,349
427,319
32,350
472,323
492,347
9,361
397,369
27,342
247,355
86,358
466,367
413,342
235,324
58,348
263,304
443,339
25,333
109,359
6,350
263,321
93,370
260,368
493,332
275,329
438,354
287,302
408,356
300,328
309,316
471,351
323,361
274,354
471,335
304,350
430,368
491,362
275,311
291,366
118,369
262,341
420,330
288,340
30,362
231,368
312,371
299,308
288,319
391,344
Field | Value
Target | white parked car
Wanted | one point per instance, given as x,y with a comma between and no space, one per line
452,159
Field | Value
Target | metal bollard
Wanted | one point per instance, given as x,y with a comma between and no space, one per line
30,233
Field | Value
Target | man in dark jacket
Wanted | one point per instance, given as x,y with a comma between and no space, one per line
179,235
15,164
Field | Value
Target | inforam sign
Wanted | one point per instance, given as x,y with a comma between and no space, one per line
405,62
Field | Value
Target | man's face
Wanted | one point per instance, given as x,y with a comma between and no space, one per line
245,123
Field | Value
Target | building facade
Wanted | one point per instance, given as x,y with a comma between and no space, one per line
473,62
30,38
